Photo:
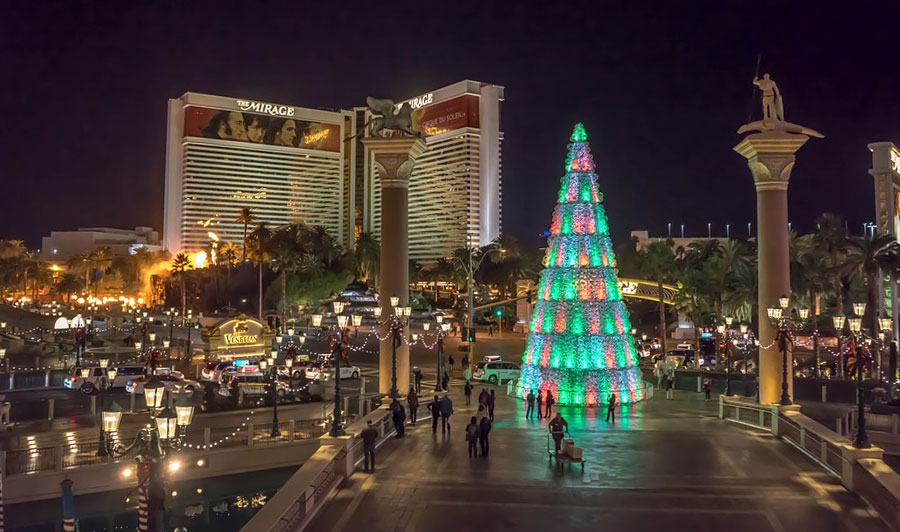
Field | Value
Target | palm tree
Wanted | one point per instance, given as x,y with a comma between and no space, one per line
658,263
67,284
285,259
367,255
259,241
12,249
228,256
831,237
245,216
868,258
182,264
100,260
80,263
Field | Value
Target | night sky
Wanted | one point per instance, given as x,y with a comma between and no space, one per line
661,91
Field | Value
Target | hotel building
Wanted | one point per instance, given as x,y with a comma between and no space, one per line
290,164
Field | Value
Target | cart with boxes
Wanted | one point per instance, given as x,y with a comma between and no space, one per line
568,452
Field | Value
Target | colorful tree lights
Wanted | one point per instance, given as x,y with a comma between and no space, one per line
580,346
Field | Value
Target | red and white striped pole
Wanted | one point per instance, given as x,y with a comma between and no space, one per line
143,470
2,517
68,506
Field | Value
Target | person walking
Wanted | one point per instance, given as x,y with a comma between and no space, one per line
413,400
484,429
399,416
468,390
490,404
550,402
472,437
467,373
557,427
446,413
611,408
451,361
670,384
707,387
417,377
491,329
369,436
435,408
482,397
465,361
540,404
529,412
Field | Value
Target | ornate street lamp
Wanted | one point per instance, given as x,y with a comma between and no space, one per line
783,323
838,328
153,442
861,441
340,339
357,321
271,372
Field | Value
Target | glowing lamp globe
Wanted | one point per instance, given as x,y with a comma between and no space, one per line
185,414
886,324
357,320
316,320
426,326
154,390
859,309
166,423
838,322
395,301
784,301
342,321
855,324
376,312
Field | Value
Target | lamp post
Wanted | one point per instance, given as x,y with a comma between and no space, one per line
105,384
783,337
839,321
886,325
861,441
271,371
164,434
470,269
339,343
357,321
317,322
396,329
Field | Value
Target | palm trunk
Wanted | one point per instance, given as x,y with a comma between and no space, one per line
244,247
260,291
662,315
283,299
183,294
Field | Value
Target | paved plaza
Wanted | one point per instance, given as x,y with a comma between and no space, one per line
664,465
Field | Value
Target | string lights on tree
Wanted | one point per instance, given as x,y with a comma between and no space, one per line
579,346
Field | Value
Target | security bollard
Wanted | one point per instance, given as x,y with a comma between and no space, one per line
824,393
93,405
46,378
50,403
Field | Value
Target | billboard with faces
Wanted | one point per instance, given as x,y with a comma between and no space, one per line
257,128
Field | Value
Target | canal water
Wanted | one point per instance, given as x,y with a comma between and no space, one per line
217,504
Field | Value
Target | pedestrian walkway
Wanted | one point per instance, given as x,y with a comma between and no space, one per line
664,465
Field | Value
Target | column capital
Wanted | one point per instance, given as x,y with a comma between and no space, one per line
395,158
770,156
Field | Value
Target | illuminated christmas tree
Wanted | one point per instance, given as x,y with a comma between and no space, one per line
580,346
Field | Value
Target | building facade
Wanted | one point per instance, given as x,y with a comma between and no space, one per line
290,164
224,154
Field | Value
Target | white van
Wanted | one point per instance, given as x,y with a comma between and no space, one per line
496,372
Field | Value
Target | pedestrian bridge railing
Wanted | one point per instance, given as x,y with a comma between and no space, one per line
861,471
310,488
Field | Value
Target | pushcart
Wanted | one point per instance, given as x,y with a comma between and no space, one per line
561,457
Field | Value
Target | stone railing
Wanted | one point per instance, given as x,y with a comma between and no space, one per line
310,488
861,471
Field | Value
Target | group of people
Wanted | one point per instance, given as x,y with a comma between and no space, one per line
541,400
479,428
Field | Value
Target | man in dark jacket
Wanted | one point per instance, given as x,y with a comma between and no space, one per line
529,413
557,427
446,412
417,374
483,397
484,430
540,402
399,415
369,436
611,408
435,408
490,404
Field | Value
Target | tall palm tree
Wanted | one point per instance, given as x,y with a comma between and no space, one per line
228,256
80,263
259,241
868,258
286,259
658,263
12,249
182,264
831,237
245,216
100,261
367,255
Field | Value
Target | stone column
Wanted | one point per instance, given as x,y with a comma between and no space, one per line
394,158
770,155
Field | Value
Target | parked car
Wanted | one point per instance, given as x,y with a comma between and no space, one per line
174,381
347,372
97,377
496,372
213,370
